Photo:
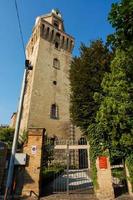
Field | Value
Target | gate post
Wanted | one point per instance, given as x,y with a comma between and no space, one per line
33,149
88,155
105,189
130,187
3,155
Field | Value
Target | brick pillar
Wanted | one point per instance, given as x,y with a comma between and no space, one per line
3,155
130,190
105,190
33,149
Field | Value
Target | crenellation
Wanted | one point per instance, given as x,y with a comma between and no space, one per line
55,35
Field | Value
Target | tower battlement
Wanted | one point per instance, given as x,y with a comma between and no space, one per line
51,28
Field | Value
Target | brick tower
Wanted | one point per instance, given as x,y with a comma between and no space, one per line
46,101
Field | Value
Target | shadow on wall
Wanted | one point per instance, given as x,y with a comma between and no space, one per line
21,178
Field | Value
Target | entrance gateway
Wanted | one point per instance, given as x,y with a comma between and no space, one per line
66,167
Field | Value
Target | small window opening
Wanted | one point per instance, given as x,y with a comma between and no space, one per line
56,63
52,34
56,45
54,111
43,27
67,43
63,40
58,36
71,45
56,24
47,34
55,82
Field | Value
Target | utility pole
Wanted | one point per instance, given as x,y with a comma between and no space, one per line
16,133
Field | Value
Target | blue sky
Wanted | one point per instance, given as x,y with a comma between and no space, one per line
84,19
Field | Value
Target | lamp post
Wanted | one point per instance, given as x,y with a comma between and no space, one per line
16,133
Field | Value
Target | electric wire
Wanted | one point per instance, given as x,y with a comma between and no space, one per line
20,28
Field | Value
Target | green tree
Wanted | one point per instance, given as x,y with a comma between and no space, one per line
113,127
6,135
86,74
121,18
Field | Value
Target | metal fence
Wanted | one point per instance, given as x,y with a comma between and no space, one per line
69,167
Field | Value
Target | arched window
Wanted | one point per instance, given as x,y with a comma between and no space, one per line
57,40
54,111
58,36
83,156
82,141
56,63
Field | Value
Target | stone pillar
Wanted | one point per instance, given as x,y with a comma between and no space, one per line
88,155
105,190
33,149
130,190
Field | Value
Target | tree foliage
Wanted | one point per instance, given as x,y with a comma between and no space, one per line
113,127
86,74
121,18
6,135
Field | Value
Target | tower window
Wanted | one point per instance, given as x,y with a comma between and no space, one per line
43,27
54,111
56,24
63,40
57,40
47,33
52,35
55,82
56,63
56,45
67,42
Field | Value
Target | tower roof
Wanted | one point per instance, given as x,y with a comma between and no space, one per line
51,17
55,12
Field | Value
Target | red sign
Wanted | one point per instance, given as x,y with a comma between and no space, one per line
103,162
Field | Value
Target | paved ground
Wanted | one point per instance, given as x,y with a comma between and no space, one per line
72,197
78,180
77,197
81,197
124,197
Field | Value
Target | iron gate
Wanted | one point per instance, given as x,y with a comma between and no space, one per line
69,167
